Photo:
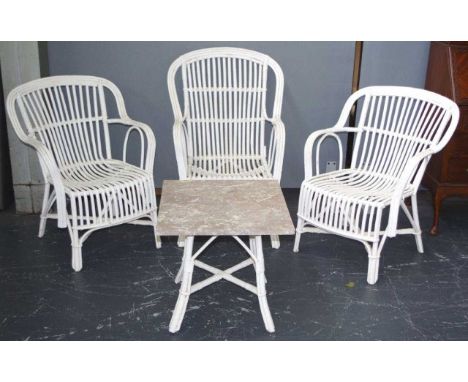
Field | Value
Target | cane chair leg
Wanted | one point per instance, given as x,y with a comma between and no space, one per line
44,211
77,261
373,270
374,252
184,292
157,240
261,290
42,226
417,227
297,239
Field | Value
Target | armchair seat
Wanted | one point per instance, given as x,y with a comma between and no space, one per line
107,192
354,199
356,186
229,167
102,176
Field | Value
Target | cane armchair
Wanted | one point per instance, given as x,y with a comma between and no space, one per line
399,129
65,119
222,129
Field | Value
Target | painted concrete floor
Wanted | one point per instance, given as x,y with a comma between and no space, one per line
126,290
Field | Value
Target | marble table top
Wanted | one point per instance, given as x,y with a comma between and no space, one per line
223,207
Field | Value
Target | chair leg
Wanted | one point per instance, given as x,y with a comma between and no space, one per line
44,211
297,239
374,260
184,292
417,227
77,261
181,241
158,241
275,241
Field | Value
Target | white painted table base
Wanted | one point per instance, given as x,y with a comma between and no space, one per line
189,262
213,208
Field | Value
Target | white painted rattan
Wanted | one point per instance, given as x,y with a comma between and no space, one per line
399,129
64,118
190,261
219,133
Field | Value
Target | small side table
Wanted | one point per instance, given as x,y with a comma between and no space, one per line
222,208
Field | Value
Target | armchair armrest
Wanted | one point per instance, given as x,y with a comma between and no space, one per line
276,147
146,161
322,134
51,170
407,175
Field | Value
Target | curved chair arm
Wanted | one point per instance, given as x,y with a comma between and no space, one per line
416,164
276,147
146,161
51,171
322,134
180,145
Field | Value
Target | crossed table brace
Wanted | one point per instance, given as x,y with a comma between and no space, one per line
215,208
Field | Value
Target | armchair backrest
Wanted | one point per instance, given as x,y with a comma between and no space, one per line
224,100
396,124
65,113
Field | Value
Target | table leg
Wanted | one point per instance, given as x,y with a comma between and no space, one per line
261,290
180,241
184,292
178,277
252,248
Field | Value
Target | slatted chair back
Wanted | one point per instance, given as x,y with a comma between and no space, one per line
67,114
224,101
397,123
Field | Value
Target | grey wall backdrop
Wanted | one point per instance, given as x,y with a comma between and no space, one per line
317,83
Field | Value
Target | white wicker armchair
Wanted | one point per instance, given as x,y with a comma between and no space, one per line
64,118
399,129
219,133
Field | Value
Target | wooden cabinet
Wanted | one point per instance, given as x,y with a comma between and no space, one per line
447,172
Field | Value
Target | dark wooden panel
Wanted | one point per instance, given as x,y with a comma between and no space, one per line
460,74
447,74
458,145
458,169
438,75
463,119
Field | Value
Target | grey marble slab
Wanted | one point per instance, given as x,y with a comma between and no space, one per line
223,207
